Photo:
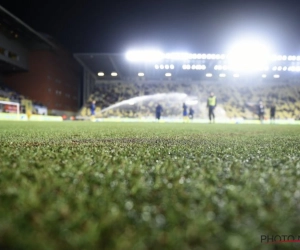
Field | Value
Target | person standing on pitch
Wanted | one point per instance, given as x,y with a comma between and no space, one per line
272,113
191,113
158,111
261,111
93,107
211,104
185,113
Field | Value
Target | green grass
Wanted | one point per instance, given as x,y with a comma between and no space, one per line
81,185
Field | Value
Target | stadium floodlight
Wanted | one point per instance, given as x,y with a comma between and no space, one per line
284,58
236,75
279,68
274,68
172,66
161,66
179,56
276,76
249,55
184,66
208,75
199,56
167,66
298,58
188,67
203,67
218,56
204,56
156,66
100,73
198,67
223,56
193,67
284,68
222,75
263,75
141,74
168,74
144,56
114,74
225,67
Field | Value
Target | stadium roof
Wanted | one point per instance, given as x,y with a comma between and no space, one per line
106,66
15,26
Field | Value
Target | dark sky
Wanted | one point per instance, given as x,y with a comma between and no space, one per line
171,25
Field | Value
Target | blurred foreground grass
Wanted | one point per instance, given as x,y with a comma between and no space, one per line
82,185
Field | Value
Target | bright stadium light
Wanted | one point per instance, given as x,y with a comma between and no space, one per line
236,75
276,76
172,66
141,74
100,73
167,66
222,75
161,66
193,67
203,67
279,68
168,74
144,56
284,68
298,58
179,56
263,75
274,68
184,66
208,75
188,67
114,73
249,55
156,66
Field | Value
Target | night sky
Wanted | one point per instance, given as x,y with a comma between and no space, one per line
170,25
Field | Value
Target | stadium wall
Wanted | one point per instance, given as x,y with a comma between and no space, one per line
53,79
13,52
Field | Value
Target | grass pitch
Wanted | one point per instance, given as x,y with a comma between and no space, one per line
81,185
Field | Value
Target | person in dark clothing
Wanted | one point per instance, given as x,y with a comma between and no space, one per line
261,111
191,113
158,111
93,107
272,113
184,113
211,104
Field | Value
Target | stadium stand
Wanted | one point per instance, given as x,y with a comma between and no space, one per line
238,100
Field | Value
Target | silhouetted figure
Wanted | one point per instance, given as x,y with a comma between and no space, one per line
272,113
261,111
191,113
158,111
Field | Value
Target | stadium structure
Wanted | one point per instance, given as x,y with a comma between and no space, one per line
132,84
37,75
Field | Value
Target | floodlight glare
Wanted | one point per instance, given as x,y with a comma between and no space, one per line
193,67
264,76
156,66
279,68
236,75
222,75
284,68
274,68
100,73
168,74
144,56
167,66
276,76
249,55
114,73
141,74
172,66
208,75
298,58
161,66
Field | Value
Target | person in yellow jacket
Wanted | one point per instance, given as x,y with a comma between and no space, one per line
211,104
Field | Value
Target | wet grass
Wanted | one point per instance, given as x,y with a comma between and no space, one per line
125,186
